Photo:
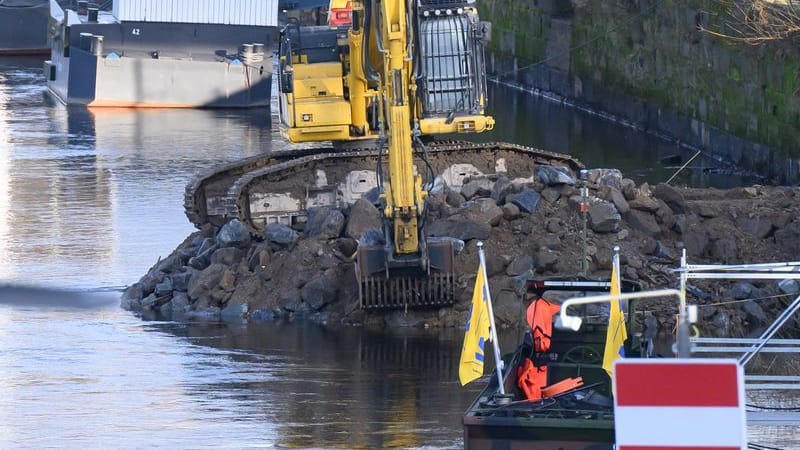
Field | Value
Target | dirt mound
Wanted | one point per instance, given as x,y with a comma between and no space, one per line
531,229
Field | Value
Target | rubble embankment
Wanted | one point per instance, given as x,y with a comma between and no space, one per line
531,229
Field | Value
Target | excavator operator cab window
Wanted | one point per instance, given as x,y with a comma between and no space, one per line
305,45
309,45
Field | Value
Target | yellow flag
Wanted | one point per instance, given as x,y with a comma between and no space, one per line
476,335
616,334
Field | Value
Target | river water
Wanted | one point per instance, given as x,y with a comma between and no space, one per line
90,199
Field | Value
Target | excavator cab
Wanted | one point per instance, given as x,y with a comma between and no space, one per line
312,103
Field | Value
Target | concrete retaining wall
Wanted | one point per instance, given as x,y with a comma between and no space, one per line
645,62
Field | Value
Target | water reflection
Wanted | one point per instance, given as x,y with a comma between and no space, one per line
101,378
92,197
351,388
534,121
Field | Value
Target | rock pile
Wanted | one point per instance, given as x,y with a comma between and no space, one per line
531,229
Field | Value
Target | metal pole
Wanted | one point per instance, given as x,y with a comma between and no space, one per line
575,321
770,331
683,166
498,357
584,209
684,347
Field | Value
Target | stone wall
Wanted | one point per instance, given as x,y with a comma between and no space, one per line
645,62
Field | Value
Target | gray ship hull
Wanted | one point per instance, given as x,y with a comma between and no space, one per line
160,65
23,27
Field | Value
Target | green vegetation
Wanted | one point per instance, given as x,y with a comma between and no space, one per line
655,51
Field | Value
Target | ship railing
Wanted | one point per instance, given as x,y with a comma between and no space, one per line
748,348
766,342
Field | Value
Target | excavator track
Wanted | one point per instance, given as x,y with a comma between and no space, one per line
281,187
240,189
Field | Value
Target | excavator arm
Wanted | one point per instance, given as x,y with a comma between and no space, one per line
403,192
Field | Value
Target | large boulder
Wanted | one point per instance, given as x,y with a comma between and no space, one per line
742,290
132,297
149,302
453,198
671,196
175,261
164,288
618,199
789,286
755,314
545,259
319,292
501,189
234,310
725,251
204,281
789,238
483,210
324,223
179,304
519,265
644,203
372,237
686,223
757,227
552,175
260,257
511,211
291,301
280,234
473,221
180,281
527,200
695,242
150,280
642,221
227,256
628,189
605,177
665,215
233,234
203,258
603,217
551,194
206,244
459,229
363,216
481,187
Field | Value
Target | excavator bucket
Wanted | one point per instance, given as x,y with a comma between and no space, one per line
386,285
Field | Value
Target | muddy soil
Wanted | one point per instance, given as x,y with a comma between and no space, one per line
531,230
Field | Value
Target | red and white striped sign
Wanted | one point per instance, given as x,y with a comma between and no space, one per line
679,404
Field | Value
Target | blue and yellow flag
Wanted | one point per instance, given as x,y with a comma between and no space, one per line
616,334
477,334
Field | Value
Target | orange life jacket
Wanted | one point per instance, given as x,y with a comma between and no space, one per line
531,379
540,318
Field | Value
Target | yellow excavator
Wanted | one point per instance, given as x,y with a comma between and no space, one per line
403,71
